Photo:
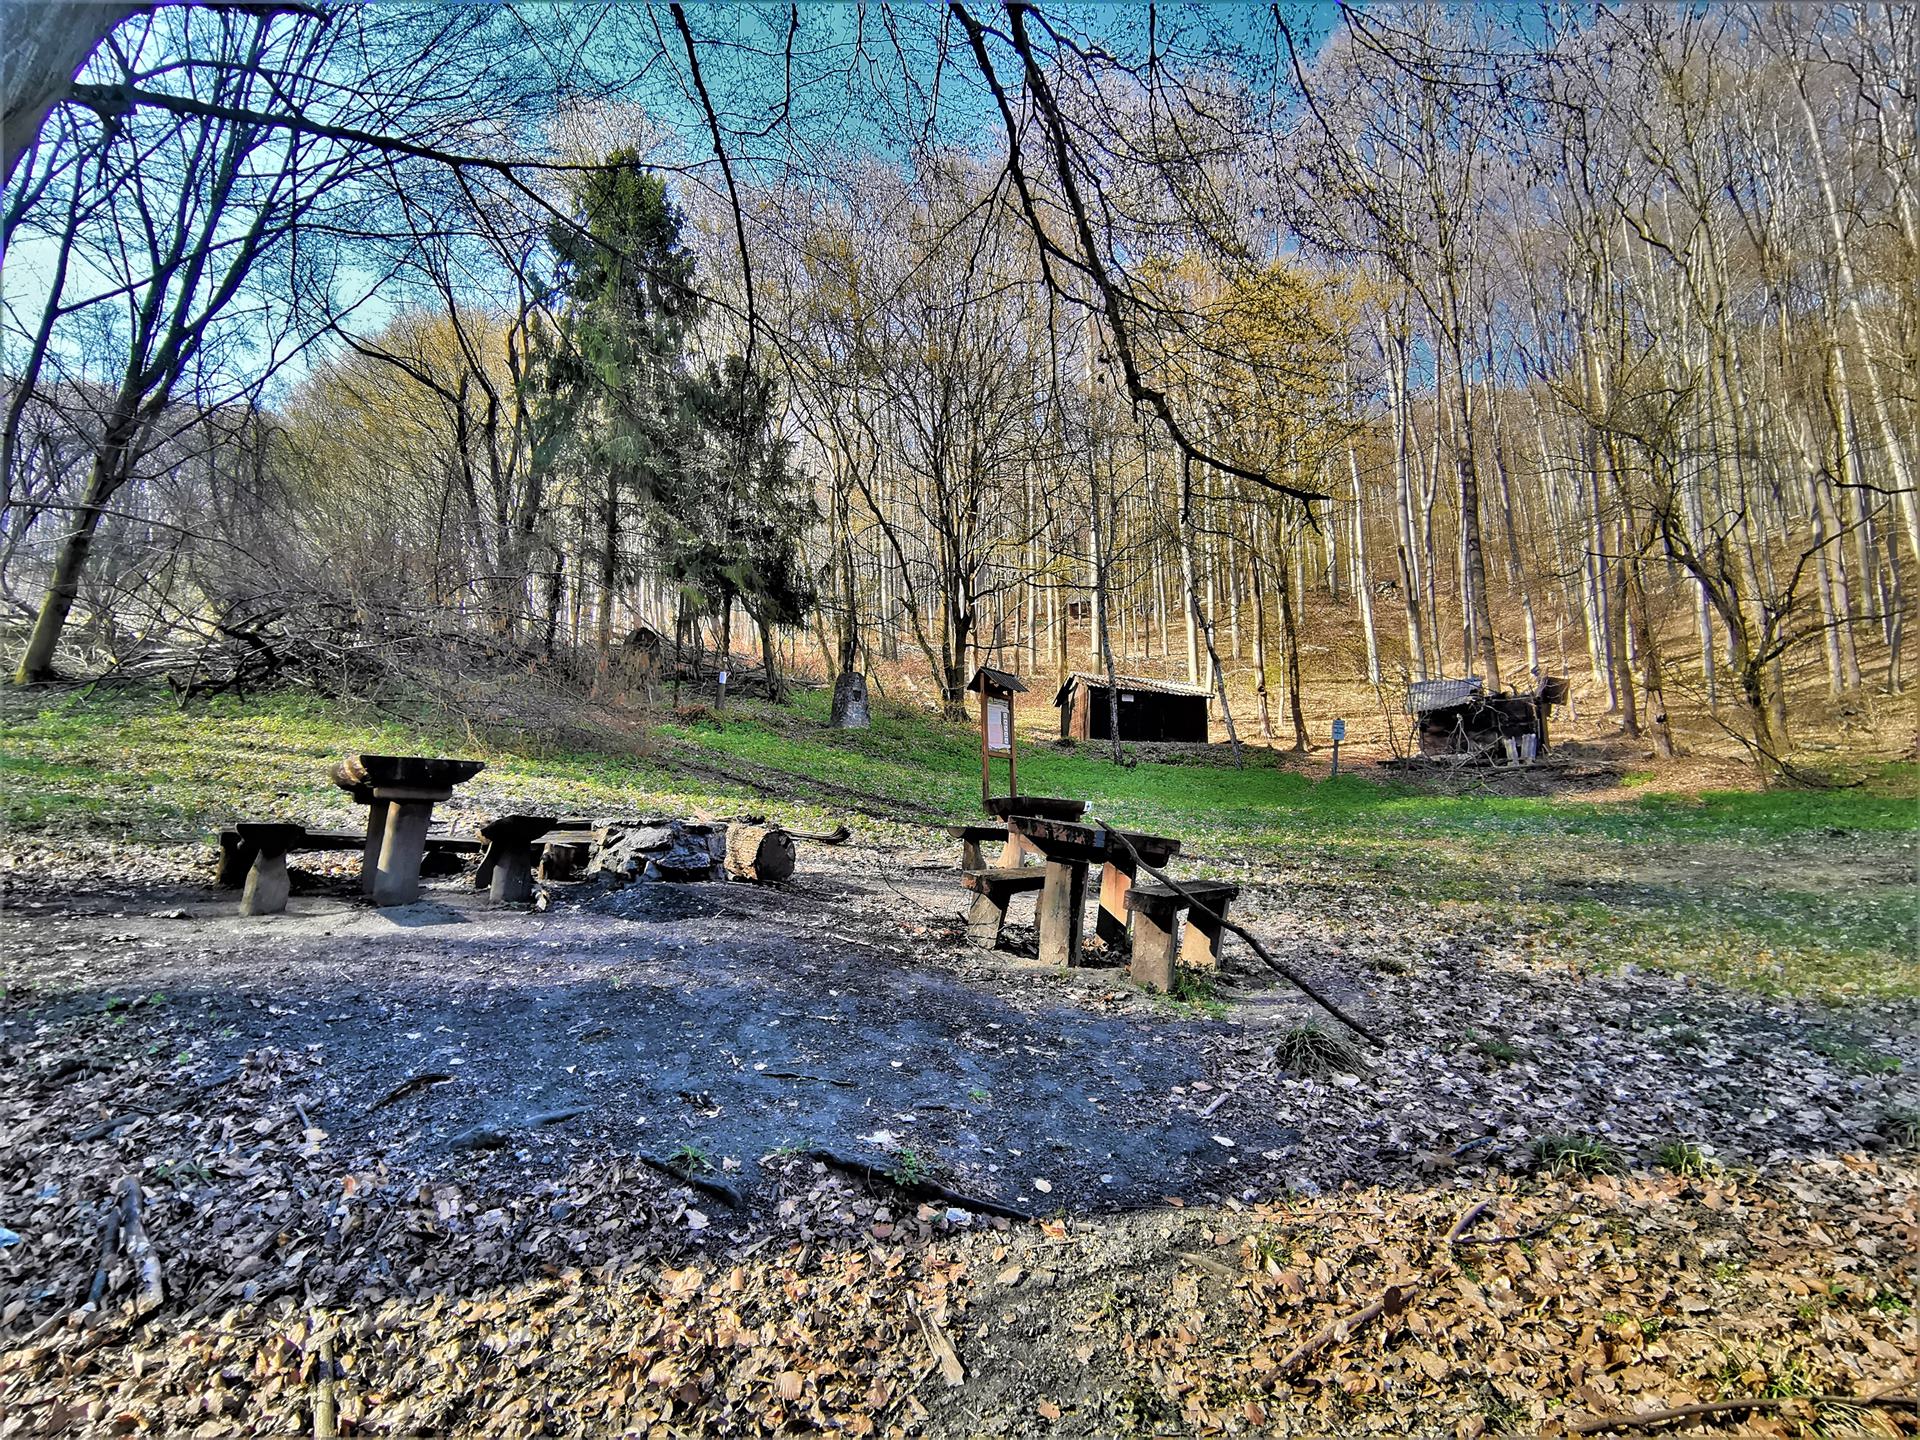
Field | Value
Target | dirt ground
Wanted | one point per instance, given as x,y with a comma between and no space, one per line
339,1111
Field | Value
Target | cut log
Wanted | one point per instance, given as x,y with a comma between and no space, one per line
762,853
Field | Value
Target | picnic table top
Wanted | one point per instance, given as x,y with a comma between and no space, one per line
1071,840
424,772
1054,806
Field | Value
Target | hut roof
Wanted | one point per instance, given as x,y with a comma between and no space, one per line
1143,684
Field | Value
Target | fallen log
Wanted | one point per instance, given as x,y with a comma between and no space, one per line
761,853
1287,972
915,1189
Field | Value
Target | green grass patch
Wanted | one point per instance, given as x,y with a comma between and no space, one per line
1786,892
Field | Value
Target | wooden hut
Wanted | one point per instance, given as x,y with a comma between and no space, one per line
1458,717
1149,709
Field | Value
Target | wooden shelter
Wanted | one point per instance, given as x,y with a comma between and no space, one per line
1149,709
1458,717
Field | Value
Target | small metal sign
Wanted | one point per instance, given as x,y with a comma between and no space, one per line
1339,730
999,727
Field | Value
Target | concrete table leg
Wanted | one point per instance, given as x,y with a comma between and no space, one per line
1116,879
267,885
1063,904
397,881
376,837
512,879
1152,964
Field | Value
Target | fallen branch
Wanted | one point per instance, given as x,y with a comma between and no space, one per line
1601,1424
151,1295
685,1175
839,835
1291,975
951,1370
797,1075
106,1128
326,1412
489,1137
1467,1221
1392,1302
408,1087
920,1189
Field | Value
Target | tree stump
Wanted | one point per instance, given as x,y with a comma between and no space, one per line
760,853
850,709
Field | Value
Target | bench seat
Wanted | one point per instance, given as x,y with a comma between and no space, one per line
993,890
1156,911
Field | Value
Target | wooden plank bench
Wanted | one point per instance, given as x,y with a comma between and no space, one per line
993,890
237,853
1156,911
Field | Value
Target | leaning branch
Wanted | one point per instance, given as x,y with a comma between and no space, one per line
1292,976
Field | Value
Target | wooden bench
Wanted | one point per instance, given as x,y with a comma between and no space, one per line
993,890
237,853
1156,910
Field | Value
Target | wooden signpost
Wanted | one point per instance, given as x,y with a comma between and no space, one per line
1339,734
996,689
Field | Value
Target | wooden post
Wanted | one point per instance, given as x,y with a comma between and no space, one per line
1116,879
1153,927
1062,904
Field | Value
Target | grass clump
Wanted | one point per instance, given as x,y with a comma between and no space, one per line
1576,1155
689,1159
1500,1052
1683,1157
1314,1052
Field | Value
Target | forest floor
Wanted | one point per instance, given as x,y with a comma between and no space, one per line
1643,1132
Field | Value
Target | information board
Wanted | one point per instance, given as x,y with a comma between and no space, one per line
999,727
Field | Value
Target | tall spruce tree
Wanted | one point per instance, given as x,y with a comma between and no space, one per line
611,384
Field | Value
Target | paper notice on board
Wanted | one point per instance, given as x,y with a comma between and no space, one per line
999,728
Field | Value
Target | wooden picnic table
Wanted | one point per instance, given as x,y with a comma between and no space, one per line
1068,848
399,792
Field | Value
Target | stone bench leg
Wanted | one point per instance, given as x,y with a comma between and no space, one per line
1116,879
397,880
987,918
1063,903
1152,963
512,880
1201,947
376,837
267,885
236,859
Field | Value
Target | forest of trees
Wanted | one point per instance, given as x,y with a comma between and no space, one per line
1424,342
